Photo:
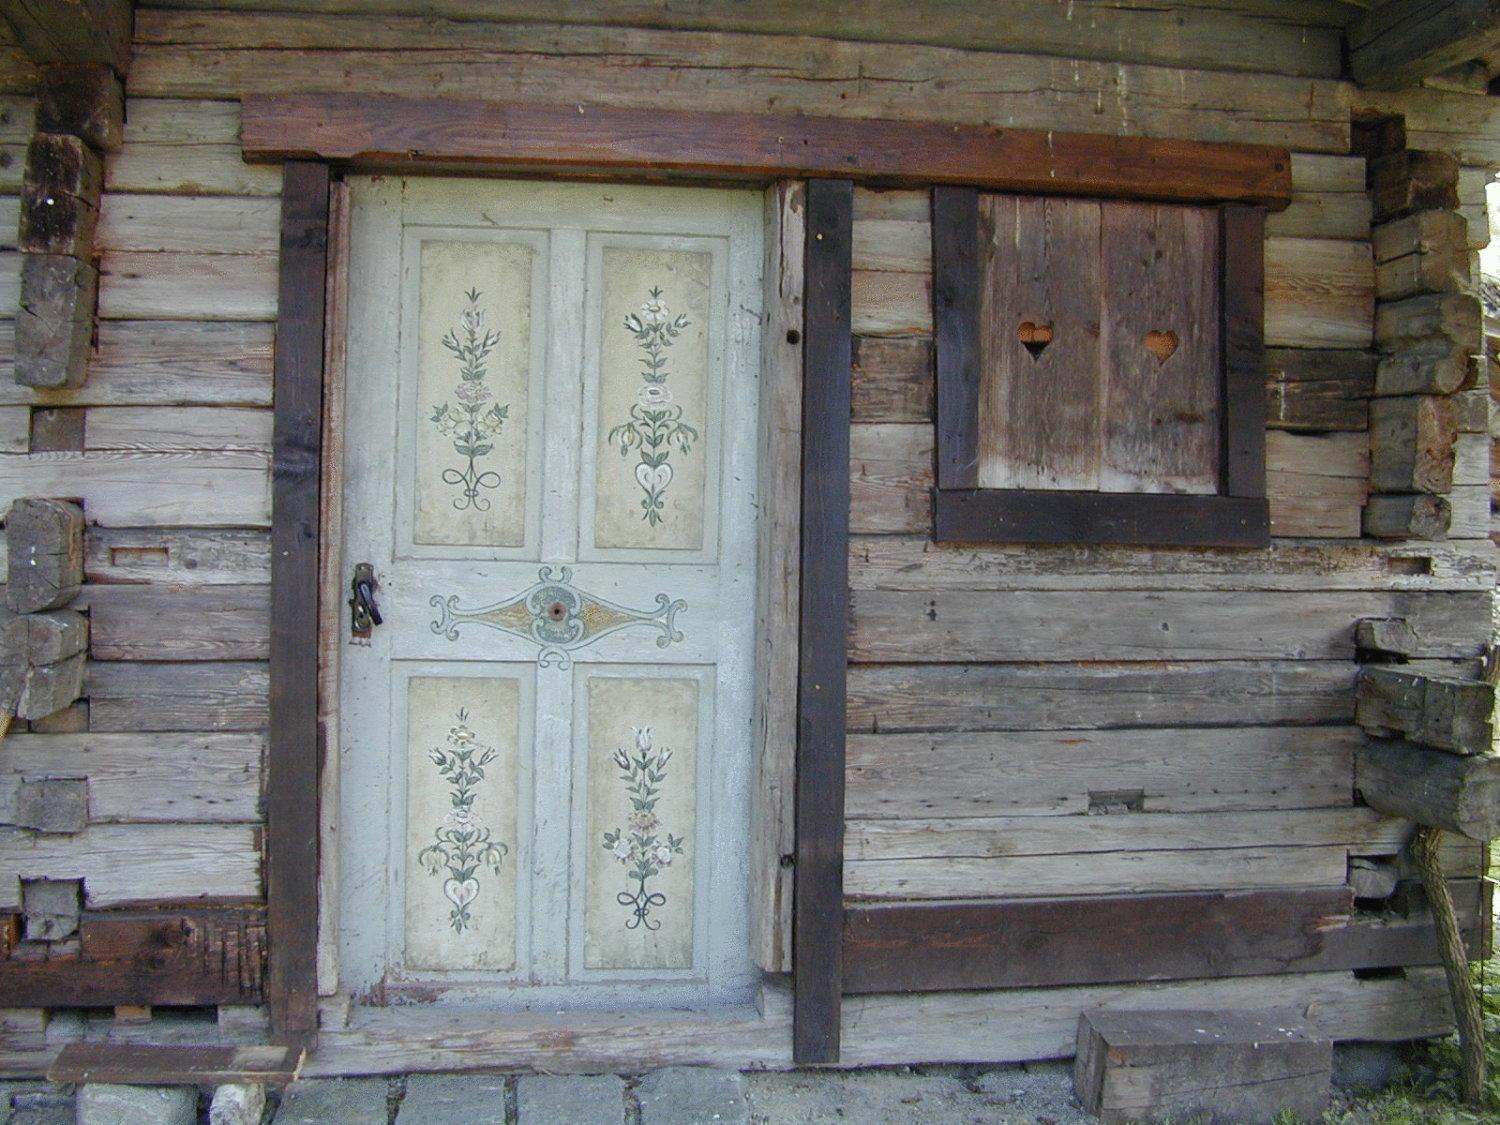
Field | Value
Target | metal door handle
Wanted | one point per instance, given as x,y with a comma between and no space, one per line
364,613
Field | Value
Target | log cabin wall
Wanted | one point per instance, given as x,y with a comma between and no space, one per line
1199,701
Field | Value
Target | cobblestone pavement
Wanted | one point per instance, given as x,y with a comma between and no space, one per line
1036,1095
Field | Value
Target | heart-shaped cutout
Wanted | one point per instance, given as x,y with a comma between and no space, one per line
653,478
1161,344
1034,337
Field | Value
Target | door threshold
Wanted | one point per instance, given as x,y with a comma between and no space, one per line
392,1040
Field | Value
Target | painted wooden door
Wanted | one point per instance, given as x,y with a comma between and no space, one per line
551,440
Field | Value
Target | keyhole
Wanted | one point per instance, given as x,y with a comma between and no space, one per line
1034,337
557,611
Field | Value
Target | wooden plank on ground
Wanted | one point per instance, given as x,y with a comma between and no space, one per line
194,1066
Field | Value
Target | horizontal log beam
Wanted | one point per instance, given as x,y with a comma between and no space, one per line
145,1064
386,132
1432,787
195,956
989,515
1397,45
939,946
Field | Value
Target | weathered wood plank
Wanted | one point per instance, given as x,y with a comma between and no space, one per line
137,286
1318,389
186,147
172,1065
74,31
188,224
140,489
949,697
134,778
180,556
173,956
893,380
44,553
1361,830
122,864
1328,199
1191,37
1123,872
1449,791
1393,46
189,623
731,73
916,563
185,428
1441,711
1040,399
1040,516
1161,351
52,337
886,303
778,557
1320,293
135,696
86,100
1037,773
959,276
163,363
902,245
982,625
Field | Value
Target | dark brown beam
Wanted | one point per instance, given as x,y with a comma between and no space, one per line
188,956
395,132
1032,943
823,645
293,751
1399,44
992,515
72,31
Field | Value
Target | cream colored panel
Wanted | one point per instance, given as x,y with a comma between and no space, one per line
462,753
642,782
653,376
474,341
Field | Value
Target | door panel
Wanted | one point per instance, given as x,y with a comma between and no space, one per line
551,462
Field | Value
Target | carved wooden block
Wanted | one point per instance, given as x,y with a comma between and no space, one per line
1407,517
1427,252
85,99
44,540
49,688
1427,343
53,804
1407,181
1439,711
60,196
50,908
1413,442
1448,791
1389,635
55,323
1229,1066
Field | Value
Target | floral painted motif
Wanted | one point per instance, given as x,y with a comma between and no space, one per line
655,423
462,844
475,421
641,847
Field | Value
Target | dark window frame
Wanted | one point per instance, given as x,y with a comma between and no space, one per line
1236,516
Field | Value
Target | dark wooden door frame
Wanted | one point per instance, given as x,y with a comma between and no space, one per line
294,750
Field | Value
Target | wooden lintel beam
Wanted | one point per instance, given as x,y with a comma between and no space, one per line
1398,45
395,132
72,31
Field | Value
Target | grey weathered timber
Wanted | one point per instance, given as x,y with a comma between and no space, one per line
54,635
52,804
84,99
1410,516
1396,45
60,196
1318,389
50,908
72,31
1441,711
1373,877
1228,1066
55,321
44,544
1426,252
1406,181
1413,441
1391,636
48,688
1457,793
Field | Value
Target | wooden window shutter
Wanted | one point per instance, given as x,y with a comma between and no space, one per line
1100,371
